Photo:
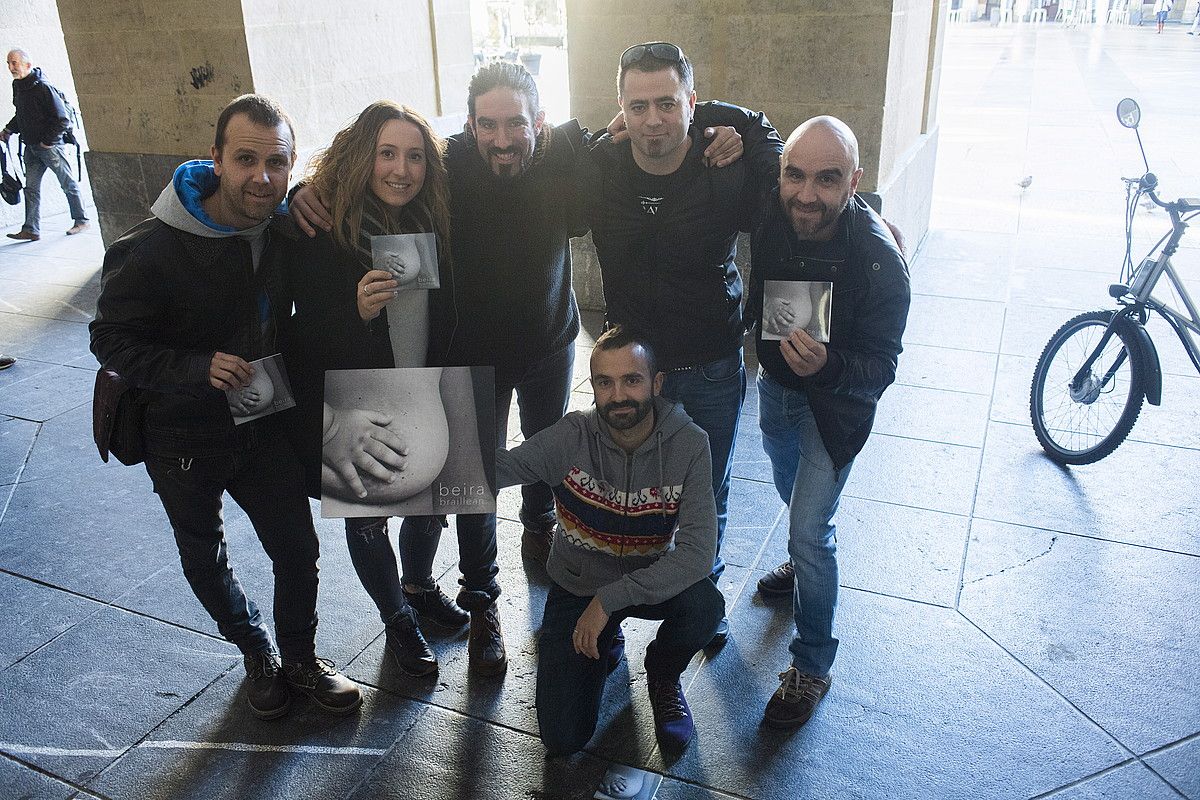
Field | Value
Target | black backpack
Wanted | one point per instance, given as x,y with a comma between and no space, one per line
10,185
68,136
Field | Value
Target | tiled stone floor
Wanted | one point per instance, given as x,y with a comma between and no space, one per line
1010,629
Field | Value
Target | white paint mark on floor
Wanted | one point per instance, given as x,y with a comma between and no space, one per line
267,748
27,750
241,747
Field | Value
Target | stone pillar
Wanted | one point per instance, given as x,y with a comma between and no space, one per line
153,75
873,64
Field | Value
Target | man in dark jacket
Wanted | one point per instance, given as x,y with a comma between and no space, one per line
665,228
636,537
188,299
41,120
817,394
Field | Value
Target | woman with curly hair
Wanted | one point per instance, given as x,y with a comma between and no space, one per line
384,174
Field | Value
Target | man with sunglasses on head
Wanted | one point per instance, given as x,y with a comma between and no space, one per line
665,227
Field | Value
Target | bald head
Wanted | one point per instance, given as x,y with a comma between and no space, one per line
828,131
818,174
18,63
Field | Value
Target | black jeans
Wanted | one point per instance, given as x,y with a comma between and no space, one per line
570,685
542,394
375,564
263,476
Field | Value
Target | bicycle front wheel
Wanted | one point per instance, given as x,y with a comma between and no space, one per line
1081,419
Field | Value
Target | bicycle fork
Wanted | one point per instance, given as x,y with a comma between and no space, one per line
1085,387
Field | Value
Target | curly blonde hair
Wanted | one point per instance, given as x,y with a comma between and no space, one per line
341,176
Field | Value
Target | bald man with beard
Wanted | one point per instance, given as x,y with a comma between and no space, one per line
817,401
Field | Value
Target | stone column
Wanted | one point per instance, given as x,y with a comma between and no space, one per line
153,75
873,64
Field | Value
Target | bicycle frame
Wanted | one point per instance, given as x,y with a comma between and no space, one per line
1138,298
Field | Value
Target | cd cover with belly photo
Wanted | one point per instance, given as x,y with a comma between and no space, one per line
408,441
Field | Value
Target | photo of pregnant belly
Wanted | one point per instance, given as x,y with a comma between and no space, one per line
422,427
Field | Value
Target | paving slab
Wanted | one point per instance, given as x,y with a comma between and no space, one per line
42,339
934,415
749,460
16,440
911,472
911,553
68,502
1095,613
46,393
1180,765
37,614
32,268
215,749
1127,781
24,783
886,730
934,367
970,324
55,301
1019,484
447,754
968,280
60,701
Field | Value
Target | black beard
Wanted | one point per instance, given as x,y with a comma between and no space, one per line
642,410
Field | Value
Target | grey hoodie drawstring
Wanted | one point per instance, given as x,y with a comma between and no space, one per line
662,492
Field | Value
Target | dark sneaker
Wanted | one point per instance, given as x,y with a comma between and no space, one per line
616,650
537,538
266,690
779,582
435,606
672,718
796,699
721,636
6,361
327,687
485,643
408,647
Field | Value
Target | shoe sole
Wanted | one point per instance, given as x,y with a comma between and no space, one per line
434,621
338,710
274,714
412,674
769,591
534,550
488,670
792,722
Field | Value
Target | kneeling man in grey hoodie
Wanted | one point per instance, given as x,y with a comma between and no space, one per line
637,532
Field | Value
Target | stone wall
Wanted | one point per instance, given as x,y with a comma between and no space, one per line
34,26
153,75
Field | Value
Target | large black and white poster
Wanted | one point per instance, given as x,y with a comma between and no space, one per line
430,430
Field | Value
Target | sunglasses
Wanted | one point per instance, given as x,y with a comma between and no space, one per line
664,51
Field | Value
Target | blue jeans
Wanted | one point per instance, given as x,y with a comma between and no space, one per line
264,477
542,393
712,395
37,161
808,483
570,686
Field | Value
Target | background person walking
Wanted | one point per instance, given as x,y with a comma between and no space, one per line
41,120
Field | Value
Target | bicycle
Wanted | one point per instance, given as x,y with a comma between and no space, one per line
1098,369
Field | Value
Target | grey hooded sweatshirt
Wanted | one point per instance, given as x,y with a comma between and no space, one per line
634,528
